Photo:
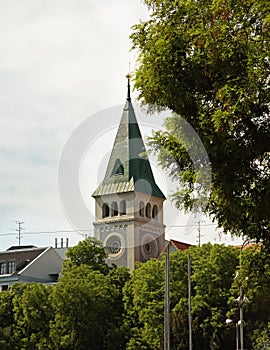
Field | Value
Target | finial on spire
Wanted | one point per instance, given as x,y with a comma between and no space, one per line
128,76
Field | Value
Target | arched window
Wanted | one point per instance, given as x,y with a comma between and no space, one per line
155,212
148,210
123,207
114,209
118,168
105,210
141,209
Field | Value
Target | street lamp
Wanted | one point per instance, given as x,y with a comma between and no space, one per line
167,301
241,300
228,323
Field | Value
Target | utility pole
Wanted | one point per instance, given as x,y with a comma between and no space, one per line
167,302
241,305
189,304
199,232
19,230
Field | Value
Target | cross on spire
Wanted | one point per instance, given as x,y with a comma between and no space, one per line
128,76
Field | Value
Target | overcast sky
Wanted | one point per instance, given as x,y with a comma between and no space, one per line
61,62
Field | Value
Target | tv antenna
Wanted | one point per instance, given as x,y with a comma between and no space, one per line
19,230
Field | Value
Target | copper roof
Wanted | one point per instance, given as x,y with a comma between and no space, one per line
129,168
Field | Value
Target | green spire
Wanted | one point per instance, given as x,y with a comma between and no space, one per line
128,168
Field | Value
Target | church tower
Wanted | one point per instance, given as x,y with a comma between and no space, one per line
128,202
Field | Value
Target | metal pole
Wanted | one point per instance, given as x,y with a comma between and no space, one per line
199,230
237,336
241,299
189,304
241,319
167,302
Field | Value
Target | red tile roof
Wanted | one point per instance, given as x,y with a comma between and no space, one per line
180,245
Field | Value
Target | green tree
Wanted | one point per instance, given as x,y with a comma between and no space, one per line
262,339
32,315
86,304
6,321
144,302
209,63
213,270
84,310
88,252
89,255
254,277
117,334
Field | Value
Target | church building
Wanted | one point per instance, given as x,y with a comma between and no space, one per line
128,202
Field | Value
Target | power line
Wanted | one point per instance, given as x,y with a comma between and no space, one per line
44,232
193,225
87,230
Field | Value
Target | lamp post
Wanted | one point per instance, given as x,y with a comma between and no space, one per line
167,301
241,321
242,299
189,305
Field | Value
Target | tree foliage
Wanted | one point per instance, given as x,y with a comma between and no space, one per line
262,339
209,62
254,276
143,296
32,313
211,282
83,309
88,252
6,321
119,310
88,302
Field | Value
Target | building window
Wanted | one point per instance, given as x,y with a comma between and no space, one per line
155,212
141,209
7,267
148,248
105,210
4,287
114,245
118,168
114,209
148,210
11,266
123,207
4,268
